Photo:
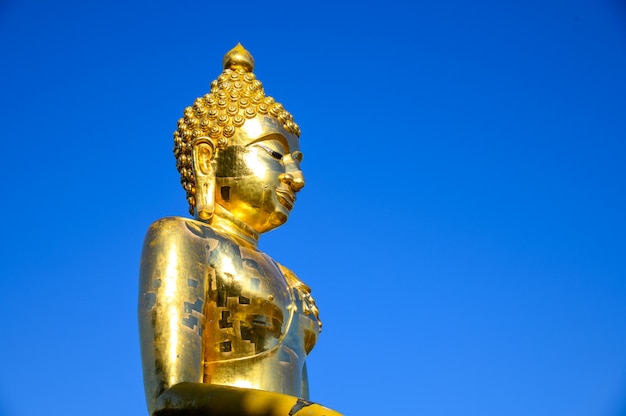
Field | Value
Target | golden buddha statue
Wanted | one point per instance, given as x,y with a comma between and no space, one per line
224,328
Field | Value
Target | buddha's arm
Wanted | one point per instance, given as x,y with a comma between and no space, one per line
172,286
310,327
305,382
308,302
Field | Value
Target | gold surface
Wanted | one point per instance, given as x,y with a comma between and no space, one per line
224,328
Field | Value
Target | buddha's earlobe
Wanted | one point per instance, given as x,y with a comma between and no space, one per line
203,155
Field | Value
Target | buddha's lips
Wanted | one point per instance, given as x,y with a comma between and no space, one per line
286,198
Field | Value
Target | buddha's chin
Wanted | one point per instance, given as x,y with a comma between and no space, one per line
278,218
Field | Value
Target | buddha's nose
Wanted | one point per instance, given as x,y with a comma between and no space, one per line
294,179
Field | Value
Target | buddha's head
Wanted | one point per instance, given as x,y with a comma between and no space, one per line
238,149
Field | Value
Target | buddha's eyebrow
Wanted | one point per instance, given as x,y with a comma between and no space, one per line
279,138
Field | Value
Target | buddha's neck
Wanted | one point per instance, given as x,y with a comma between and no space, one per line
228,224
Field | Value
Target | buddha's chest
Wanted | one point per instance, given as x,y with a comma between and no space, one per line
250,307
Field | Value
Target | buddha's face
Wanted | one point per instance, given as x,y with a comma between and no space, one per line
258,175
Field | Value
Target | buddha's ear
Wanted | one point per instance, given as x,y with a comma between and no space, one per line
203,154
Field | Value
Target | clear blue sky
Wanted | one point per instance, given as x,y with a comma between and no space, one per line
463,225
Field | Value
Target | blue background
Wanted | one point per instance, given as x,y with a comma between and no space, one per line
463,223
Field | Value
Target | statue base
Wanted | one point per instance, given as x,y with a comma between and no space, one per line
197,399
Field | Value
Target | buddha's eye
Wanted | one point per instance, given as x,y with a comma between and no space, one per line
273,153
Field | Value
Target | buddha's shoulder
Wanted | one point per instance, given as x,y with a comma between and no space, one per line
178,227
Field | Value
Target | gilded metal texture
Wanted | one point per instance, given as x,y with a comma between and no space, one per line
220,321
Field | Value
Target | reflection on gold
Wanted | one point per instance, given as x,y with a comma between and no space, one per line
243,383
252,128
170,275
223,327
173,335
256,166
170,293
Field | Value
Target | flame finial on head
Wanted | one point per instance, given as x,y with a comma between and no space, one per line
238,57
